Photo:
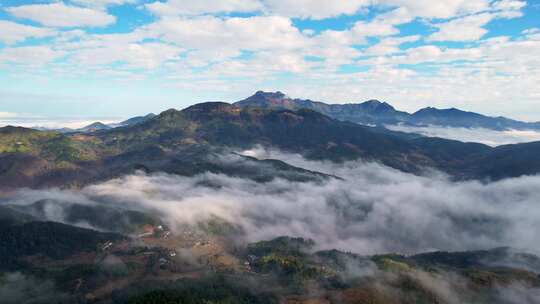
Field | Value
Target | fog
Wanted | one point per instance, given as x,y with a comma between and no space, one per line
480,135
53,123
373,209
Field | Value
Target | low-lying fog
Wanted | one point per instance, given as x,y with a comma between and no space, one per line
480,135
52,123
374,209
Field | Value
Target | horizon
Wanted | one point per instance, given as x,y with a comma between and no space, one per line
81,121
124,58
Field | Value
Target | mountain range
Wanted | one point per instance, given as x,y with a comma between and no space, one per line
98,126
162,143
371,112
374,112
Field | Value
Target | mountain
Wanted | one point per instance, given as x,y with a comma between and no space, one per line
134,120
97,126
48,238
374,112
304,131
183,142
371,112
457,118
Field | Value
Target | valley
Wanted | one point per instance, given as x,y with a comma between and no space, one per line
218,203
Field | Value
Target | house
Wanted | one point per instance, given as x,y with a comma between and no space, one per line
107,245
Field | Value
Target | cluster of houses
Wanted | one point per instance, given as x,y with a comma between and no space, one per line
154,231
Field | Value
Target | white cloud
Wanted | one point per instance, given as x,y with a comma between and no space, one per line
479,135
509,8
212,38
201,7
322,9
4,115
11,32
60,15
390,45
28,121
469,28
314,9
531,31
439,9
134,55
103,3
252,33
374,209
434,54
265,63
472,27
29,55
509,5
382,25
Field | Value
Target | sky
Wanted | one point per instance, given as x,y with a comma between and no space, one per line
109,59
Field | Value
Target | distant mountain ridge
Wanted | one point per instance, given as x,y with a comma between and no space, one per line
374,112
163,143
134,120
99,126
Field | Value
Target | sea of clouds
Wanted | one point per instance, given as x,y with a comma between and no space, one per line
480,135
372,209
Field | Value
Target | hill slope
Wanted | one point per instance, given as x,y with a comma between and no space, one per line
174,140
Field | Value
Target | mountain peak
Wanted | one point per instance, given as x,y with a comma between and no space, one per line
373,102
96,126
14,130
169,112
437,111
211,108
377,106
263,99
277,95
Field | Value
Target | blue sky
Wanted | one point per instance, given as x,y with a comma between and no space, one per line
112,59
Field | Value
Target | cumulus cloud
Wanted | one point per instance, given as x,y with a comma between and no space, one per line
58,14
485,136
201,7
144,55
253,33
374,209
390,45
30,55
509,8
439,9
383,25
103,3
319,9
210,39
11,32
464,29
315,9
